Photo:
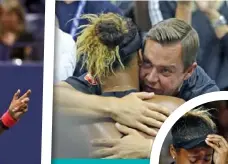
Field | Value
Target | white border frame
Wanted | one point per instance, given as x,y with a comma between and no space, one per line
200,100
48,70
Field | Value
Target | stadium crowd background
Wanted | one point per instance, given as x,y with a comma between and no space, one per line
21,67
22,30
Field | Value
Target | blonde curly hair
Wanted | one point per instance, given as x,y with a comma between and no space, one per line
98,46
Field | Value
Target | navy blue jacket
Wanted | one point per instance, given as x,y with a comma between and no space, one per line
213,55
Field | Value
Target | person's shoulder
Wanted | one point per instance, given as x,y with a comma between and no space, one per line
200,79
199,83
64,43
63,36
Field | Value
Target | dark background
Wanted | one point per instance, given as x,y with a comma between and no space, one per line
22,143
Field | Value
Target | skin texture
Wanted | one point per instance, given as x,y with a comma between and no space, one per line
101,130
184,11
162,70
220,146
110,136
217,151
202,155
100,134
18,106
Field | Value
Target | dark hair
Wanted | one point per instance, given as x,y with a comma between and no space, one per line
194,125
107,43
109,34
173,31
129,45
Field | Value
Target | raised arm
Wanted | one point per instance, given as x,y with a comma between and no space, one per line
77,103
18,107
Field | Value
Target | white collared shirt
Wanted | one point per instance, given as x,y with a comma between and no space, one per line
65,55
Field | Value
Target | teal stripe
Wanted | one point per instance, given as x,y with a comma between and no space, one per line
100,161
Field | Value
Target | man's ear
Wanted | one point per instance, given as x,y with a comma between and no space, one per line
190,71
140,57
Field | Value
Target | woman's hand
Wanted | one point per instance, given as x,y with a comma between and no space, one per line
19,105
220,146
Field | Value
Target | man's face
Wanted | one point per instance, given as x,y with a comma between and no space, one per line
202,155
162,69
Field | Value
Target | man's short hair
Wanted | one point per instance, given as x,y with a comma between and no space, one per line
173,31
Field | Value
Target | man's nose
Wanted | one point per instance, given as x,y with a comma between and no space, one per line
152,77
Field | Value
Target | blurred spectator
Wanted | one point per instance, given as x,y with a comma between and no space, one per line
21,34
127,7
209,18
68,13
141,11
65,55
35,13
34,6
136,10
12,31
223,121
12,21
220,116
154,11
35,25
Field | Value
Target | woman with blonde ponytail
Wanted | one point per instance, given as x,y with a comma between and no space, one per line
108,48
